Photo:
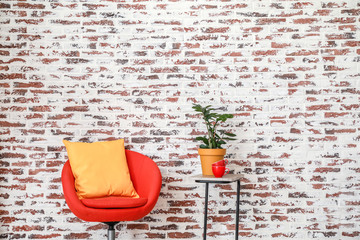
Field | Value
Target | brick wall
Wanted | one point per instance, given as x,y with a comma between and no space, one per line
101,70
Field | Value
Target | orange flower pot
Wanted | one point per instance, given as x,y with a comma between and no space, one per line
208,157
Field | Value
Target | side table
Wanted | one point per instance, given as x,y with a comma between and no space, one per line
229,178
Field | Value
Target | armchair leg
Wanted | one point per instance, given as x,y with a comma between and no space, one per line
111,230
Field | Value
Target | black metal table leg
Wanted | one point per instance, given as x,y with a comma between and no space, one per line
206,208
237,210
229,178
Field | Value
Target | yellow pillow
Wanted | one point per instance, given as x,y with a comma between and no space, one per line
100,169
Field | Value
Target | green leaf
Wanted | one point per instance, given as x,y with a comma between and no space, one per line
213,142
199,108
229,134
204,139
230,139
204,146
224,117
208,108
219,146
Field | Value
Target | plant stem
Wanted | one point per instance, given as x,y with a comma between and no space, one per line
209,132
215,125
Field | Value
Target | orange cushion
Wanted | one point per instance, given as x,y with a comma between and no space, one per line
100,169
114,202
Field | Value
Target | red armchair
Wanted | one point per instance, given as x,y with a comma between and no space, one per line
146,178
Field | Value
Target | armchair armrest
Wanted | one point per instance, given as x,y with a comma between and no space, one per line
145,175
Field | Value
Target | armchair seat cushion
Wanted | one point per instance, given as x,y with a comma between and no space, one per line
114,202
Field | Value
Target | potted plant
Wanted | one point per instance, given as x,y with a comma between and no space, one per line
211,150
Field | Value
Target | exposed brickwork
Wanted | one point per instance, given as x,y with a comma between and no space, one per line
101,70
